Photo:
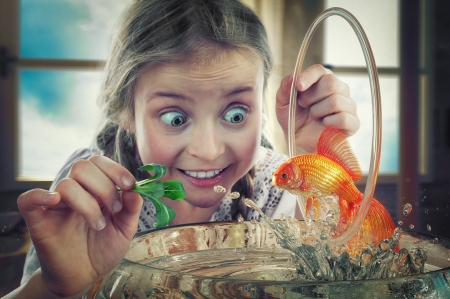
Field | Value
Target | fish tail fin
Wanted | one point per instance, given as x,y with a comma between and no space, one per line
377,226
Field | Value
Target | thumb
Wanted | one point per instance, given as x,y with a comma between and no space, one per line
31,204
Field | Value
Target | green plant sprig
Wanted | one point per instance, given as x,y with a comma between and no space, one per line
154,189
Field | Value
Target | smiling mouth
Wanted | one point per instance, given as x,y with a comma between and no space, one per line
202,174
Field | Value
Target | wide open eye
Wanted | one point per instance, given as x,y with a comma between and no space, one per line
284,175
235,115
173,118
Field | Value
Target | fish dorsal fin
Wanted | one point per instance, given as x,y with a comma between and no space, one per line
334,145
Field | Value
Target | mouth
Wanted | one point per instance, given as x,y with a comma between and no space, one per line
202,174
206,178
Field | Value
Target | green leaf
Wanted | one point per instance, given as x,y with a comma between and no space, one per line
163,216
174,190
159,170
155,189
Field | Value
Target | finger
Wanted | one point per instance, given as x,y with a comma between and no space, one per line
116,172
284,91
98,176
347,122
31,202
127,219
82,202
310,76
333,104
326,86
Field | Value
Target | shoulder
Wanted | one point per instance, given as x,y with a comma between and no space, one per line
79,154
266,195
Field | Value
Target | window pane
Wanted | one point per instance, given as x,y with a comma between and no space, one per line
379,20
361,142
67,29
57,115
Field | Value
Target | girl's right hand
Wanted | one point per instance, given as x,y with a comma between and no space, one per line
83,229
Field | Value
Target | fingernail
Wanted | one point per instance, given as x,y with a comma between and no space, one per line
116,207
127,180
101,223
49,196
302,83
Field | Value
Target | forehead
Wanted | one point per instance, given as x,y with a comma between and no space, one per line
219,67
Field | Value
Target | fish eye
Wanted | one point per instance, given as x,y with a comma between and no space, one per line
235,115
173,118
284,175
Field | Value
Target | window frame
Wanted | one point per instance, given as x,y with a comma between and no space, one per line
9,94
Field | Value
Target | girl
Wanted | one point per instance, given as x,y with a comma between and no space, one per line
184,88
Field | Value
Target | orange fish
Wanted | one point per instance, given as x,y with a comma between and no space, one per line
332,171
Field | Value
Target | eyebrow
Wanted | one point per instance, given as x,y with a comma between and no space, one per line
240,90
172,95
177,96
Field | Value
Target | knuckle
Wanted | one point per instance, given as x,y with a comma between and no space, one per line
65,186
94,159
24,196
320,67
331,83
79,167
334,103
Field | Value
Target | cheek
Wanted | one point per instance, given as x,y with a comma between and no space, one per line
249,140
152,146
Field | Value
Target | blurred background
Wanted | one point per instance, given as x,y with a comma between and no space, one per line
51,58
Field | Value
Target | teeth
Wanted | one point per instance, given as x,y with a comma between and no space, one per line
203,174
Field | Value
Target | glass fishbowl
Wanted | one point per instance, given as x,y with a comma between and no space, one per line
245,260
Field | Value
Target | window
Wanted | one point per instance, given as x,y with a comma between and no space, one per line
60,47
343,54
335,45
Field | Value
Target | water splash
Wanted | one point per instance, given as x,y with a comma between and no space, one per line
407,209
316,260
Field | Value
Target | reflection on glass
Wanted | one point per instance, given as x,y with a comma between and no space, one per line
380,22
361,142
57,115
68,29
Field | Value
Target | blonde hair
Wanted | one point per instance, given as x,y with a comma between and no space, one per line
153,32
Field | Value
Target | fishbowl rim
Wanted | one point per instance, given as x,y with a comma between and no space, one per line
442,241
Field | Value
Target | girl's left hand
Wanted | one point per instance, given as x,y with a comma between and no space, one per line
322,100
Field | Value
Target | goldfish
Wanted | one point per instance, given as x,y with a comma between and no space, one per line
333,171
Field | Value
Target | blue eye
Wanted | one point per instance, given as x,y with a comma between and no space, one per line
235,115
173,118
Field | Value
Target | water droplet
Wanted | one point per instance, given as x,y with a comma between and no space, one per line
407,209
426,211
428,227
400,222
234,195
219,189
240,219
411,226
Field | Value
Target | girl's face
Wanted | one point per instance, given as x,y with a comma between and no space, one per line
203,121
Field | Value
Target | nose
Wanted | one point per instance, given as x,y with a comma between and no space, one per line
206,143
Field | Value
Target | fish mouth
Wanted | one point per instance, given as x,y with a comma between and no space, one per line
202,174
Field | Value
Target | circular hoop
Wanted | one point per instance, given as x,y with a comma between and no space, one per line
376,107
